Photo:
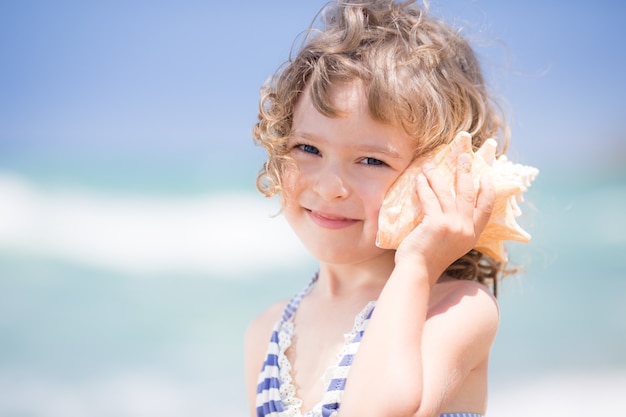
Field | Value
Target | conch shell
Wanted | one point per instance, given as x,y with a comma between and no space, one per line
401,210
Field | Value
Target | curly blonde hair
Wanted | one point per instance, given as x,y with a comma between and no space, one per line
418,73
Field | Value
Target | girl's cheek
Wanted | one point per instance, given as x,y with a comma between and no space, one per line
291,185
290,175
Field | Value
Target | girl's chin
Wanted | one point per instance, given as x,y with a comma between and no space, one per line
347,256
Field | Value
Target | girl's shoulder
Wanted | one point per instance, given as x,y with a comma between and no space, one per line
257,338
264,322
451,291
465,304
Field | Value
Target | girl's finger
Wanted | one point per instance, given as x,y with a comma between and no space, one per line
441,188
484,203
428,198
465,193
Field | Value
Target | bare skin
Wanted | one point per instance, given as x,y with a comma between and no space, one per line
427,344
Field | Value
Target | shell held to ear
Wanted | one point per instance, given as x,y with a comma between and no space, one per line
401,210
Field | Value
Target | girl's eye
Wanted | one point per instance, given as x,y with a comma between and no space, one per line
372,161
309,149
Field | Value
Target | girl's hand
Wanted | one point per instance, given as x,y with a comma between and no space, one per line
453,218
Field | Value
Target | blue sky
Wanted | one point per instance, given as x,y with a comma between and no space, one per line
86,84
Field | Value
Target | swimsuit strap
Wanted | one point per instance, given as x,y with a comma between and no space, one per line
275,393
338,374
293,304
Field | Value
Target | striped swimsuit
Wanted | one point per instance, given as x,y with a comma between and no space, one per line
276,396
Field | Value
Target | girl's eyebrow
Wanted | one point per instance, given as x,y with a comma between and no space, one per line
372,147
305,135
383,150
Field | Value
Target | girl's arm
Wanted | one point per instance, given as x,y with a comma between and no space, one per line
410,363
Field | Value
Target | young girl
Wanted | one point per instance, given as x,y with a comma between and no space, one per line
376,332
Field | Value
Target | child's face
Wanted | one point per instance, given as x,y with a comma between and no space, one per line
344,167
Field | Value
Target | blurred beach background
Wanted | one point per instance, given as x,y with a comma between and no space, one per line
134,248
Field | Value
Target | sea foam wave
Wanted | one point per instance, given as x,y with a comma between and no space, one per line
128,394
140,394
229,234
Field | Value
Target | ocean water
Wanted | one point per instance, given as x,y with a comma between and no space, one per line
134,302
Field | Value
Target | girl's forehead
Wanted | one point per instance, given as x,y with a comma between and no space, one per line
347,97
355,128
349,94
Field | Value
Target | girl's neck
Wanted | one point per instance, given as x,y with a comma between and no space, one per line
347,280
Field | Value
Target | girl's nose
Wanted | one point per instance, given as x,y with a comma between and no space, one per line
330,184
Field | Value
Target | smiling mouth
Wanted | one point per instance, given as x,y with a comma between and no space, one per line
329,221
